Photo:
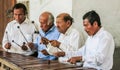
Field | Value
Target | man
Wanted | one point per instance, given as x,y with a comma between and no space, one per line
19,32
69,39
48,32
99,47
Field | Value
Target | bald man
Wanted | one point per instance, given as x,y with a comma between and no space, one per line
69,40
47,32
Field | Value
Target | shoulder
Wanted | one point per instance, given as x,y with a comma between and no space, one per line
29,23
105,34
75,31
11,23
55,30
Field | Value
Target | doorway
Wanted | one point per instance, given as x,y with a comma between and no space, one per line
5,15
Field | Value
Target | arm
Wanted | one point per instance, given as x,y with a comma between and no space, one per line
104,51
73,60
68,44
6,41
73,44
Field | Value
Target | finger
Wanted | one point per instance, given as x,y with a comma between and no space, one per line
55,54
68,60
51,41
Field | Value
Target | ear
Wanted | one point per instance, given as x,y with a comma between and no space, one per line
95,24
68,23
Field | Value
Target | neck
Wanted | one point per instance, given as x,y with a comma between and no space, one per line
22,21
49,28
97,30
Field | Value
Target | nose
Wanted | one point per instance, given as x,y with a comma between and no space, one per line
57,26
85,28
17,17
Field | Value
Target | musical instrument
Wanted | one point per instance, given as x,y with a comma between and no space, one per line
13,61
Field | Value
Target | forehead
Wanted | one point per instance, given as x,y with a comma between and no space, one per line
44,16
86,21
18,10
59,19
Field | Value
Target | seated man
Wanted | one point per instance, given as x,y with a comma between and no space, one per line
47,32
99,47
19,32
70,39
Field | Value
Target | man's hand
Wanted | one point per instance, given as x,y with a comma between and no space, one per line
59,54
73,60
31,45
44,40
44,52
7,45
24,47
55,43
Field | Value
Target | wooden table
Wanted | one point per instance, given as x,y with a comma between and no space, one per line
12,61
1,49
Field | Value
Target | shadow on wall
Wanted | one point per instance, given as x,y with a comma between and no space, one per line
116,61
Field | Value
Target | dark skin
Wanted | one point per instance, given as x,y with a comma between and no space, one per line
31,45
45,25
24,47
8,45
19,16
62,27
59,54
44,52
91,31
55,43
73,60
44,41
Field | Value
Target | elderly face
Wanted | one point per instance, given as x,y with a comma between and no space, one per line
90,29
19,15
62,25
44,24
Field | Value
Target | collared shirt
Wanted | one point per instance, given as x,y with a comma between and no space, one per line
52,34
14,34
70,41
97,51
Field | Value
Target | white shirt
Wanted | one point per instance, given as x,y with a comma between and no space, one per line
70,41
97,51
12,32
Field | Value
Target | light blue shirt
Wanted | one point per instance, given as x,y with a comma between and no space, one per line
52,34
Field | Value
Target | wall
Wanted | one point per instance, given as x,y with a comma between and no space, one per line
54,6
109,11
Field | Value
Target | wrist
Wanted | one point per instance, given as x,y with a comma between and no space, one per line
79,59
58,44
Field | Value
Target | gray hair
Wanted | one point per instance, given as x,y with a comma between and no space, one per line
51,18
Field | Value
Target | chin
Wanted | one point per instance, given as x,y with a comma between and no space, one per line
59,30
89,34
